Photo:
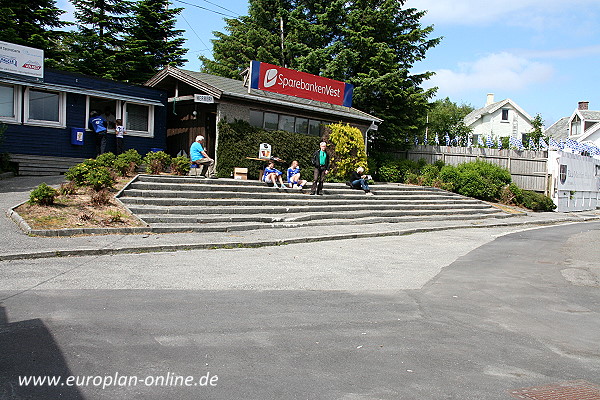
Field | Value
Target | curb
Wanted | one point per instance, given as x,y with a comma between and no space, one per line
281,242
6,175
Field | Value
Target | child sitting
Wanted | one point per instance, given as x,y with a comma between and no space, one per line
272,175
293,176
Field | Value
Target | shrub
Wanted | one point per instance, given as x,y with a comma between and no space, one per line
348,150
106,160
481,179
430,173
43,195
131,156
78,172
180,165
101,197
511,194
124,167
239,140
100,178
156,162
67,188
394,170
537,201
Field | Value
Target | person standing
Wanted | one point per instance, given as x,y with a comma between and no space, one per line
200,158
119,132
320,161
98,125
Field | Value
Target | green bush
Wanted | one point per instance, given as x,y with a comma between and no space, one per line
106,160
67,188
239,140
123,167
430,174
156,162
43,195
78,172
347,152
100,178
395,170
536,201
131,156
180,165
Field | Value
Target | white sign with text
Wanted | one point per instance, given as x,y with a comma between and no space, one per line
21,60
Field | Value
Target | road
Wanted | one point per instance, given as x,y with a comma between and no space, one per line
466,314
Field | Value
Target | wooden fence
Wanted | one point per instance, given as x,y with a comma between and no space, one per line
527,168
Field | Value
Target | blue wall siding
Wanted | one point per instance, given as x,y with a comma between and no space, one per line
43,141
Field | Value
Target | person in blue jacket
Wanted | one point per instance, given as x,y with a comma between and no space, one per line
272,175
98,125
293,176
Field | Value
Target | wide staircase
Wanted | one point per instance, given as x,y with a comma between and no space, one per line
180,204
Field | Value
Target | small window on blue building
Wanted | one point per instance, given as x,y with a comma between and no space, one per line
7,103
137,117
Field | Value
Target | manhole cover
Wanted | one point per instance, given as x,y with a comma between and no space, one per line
572,390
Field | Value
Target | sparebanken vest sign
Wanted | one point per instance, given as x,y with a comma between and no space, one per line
299,84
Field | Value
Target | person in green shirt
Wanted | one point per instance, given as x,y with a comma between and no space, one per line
320,161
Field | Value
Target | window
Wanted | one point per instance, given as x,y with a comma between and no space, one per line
505,114
301,125
576,126
256,118
286,123
45,108
271,121
314,127
9,103
107,107
137,118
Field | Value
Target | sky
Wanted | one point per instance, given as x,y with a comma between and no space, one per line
542,54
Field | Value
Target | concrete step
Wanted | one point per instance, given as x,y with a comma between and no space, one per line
292,196
275,209
310,216
240,226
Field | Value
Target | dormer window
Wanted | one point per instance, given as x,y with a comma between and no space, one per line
576,126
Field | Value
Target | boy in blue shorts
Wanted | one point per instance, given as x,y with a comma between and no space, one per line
272,175
293,176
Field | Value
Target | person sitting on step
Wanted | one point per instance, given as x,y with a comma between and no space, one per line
272,175
293,176
358,180
200,158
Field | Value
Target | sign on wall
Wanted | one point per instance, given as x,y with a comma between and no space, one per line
576,181
281,80
21,60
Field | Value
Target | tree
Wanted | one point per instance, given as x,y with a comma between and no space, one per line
447,117
33,23
96,45
371,44
537,131
151,41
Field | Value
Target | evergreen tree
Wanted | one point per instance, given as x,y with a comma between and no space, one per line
152,41
33,23
96,44
447,117
369,43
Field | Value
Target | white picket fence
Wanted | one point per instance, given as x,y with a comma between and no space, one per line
528,168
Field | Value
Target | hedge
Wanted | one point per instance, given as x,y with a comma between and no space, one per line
239,140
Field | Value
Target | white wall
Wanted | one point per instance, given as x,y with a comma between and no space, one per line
492,124
576,181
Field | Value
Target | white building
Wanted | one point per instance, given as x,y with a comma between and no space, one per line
583,125
499,119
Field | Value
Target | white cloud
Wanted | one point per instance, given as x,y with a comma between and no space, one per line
475,12
499,71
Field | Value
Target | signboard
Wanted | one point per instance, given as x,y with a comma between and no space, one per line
21,60
264,151
203,98
281,80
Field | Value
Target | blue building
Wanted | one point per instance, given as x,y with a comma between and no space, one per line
41,118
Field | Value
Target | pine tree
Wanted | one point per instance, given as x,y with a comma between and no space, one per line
96,44
151,42
370,43
33,23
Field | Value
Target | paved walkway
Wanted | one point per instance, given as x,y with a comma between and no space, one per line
17,245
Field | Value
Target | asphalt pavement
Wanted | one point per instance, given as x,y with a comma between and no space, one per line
463,314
